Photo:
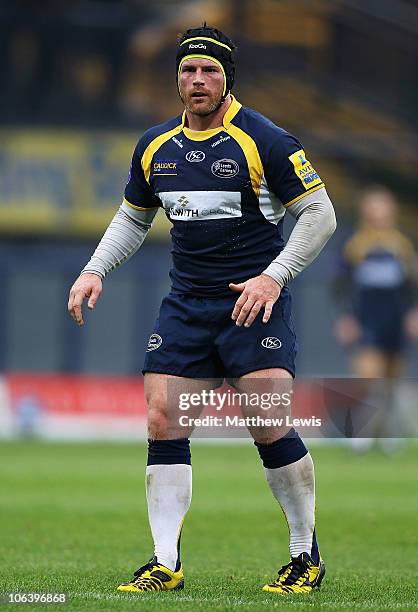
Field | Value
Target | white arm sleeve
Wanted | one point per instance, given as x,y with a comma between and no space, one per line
121,240
315,225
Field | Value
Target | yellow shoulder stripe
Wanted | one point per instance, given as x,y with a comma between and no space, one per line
231,112
153,147
252,155
406,247
366,239
302,195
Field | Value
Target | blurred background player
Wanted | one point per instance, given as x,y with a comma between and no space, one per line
377,288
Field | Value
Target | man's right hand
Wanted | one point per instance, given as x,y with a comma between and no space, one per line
87,285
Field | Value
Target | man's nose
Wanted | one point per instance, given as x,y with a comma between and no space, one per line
199,78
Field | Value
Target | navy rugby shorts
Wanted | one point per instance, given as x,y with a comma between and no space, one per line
387,338
195,337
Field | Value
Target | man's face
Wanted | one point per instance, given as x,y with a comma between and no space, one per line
201,85
378,210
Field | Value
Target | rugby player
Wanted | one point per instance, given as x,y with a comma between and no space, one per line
377,269
376,291
225,176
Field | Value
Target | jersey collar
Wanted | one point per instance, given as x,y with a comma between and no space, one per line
204,134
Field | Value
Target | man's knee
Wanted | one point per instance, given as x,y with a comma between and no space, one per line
157,415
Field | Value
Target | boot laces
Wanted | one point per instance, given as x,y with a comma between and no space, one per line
293,571
152,582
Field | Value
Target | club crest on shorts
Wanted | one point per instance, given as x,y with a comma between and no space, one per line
154,342
271,342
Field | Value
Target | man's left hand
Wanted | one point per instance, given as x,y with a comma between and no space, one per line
255,293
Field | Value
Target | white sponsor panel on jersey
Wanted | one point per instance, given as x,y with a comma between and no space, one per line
380,274
201,205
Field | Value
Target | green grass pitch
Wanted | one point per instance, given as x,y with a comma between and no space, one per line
73,520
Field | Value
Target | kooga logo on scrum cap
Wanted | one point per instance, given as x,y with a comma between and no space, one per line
198,46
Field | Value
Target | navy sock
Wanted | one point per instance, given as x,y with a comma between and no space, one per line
169,452
178,564
314,550
282,452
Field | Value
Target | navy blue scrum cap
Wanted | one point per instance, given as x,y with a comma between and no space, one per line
209,43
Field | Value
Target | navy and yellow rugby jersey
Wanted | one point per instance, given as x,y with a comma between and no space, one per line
379,263
225,190
379,259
